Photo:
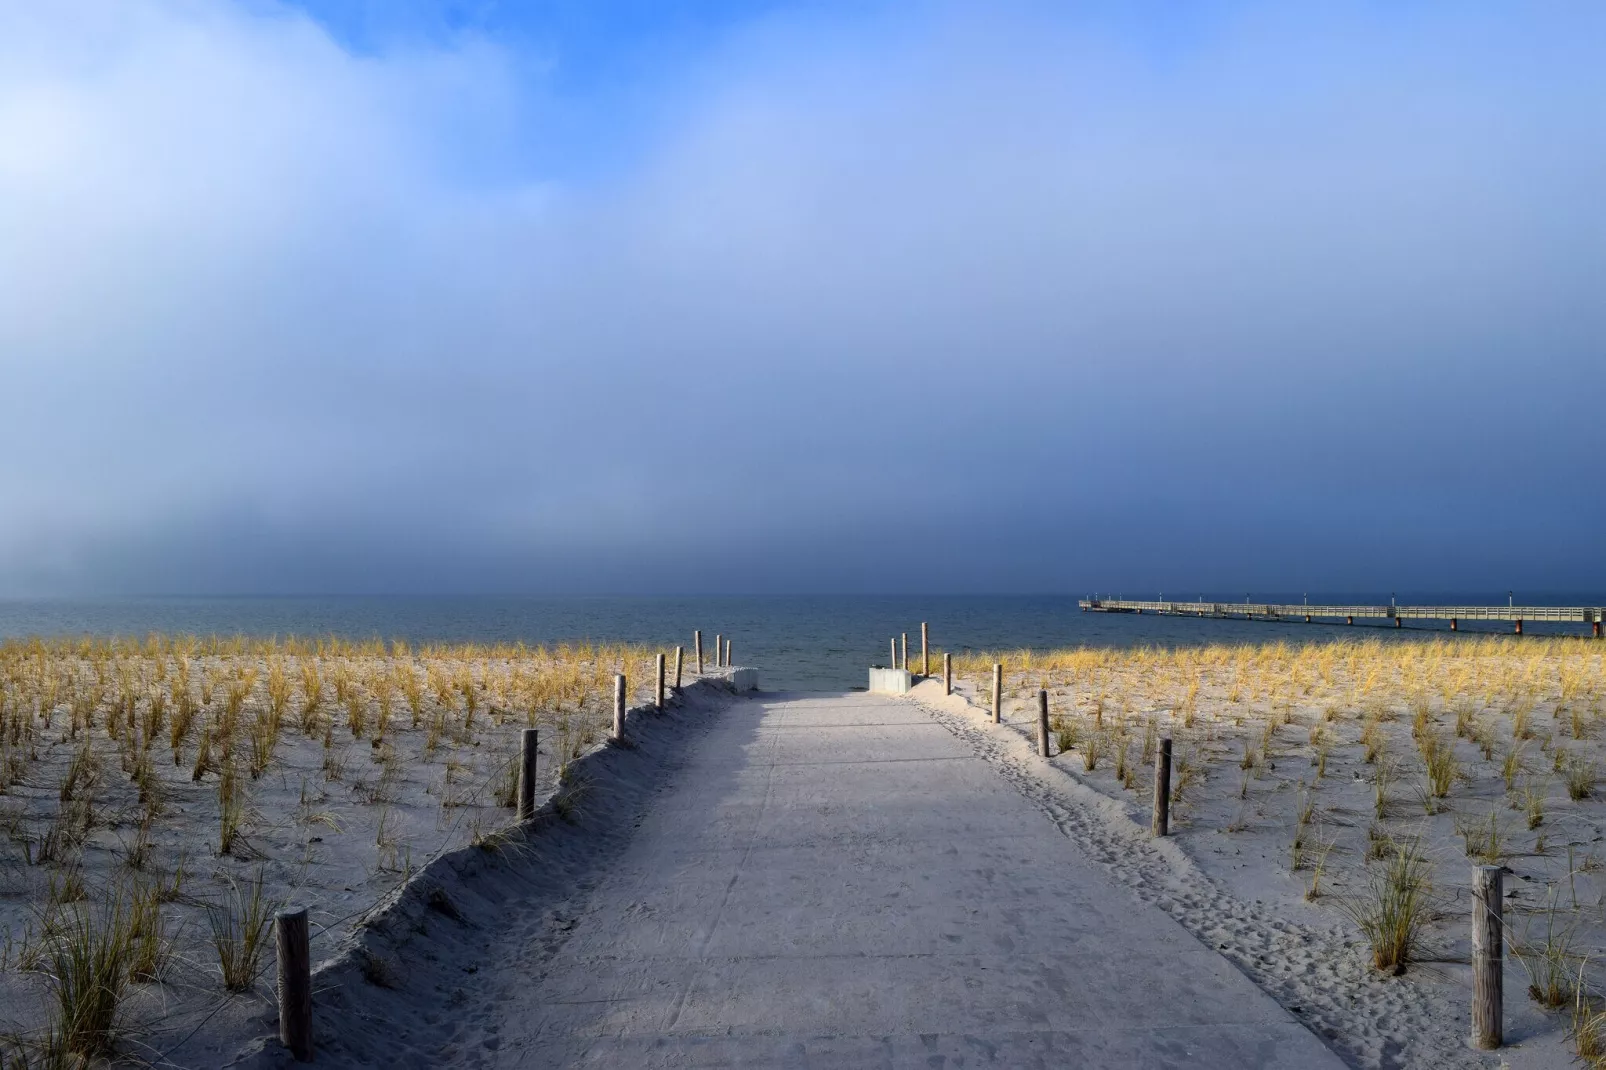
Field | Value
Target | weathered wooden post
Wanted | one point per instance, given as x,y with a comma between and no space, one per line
680,657
618,707
527,741
947,674
1042,723
727,653
905,665
893,663
998,693
697,642
295,982
719,648
925,651
1161,825
1488,949
658,693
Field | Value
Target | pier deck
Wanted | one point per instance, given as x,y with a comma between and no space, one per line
1591,615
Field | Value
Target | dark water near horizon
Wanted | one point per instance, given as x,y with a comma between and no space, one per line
815,642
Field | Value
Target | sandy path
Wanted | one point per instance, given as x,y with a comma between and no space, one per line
840,881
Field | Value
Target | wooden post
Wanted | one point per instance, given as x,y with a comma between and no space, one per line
618,707
1042,723
998,693
658,694
905,665
727,653
680,658
1519,627
1454,624
947,674
719,648
527,774
697,641
894,662
295,982
925,651
1487,952
1162,789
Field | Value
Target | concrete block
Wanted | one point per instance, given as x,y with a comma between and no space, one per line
743,679
891,681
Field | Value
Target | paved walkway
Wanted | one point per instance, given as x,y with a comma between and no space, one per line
835,881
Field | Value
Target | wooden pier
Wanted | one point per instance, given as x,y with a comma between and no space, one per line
1516,615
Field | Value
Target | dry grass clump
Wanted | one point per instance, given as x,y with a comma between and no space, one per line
1580,777
1550,960
89,963
1394,908
239,923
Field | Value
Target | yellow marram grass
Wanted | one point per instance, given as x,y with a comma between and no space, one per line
1476,725
86,725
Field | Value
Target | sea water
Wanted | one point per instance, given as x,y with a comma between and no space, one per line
814,642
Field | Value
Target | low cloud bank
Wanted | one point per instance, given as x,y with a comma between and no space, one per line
933,301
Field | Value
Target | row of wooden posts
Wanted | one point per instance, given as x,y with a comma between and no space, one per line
292,933
1488,943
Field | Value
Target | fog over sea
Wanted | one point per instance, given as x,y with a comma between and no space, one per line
803,642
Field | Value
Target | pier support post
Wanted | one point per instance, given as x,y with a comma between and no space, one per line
947,674
1519,627
294,941
1042,723
1454,625
1397,622
1161,825
527,744
618,708
925,651
697,641
1597,628
1307,618
1487,952
1349,620
998,693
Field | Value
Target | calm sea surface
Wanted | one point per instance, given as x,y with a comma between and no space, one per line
803,643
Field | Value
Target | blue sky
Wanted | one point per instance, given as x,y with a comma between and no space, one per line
347,296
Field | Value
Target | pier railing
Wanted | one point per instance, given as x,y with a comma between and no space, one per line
1274,611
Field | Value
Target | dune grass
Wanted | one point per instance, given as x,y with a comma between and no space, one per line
127,764
1331,740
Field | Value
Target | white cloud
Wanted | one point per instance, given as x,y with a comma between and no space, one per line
252,281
